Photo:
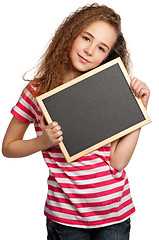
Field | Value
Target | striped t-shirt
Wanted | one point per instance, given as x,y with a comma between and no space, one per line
86,193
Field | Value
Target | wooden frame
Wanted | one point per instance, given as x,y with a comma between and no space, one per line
75,83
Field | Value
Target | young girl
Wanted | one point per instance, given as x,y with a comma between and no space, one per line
90,197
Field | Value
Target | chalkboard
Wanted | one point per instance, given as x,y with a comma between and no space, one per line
94,109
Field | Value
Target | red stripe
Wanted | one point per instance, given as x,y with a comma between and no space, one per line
83,205
18,116
126,192
105,149
88,186
84,177
84,214
30,102
82,159
26,110
77,168
87,158
92,157
53,159
31,89
125,204
90,223
38,129
86,195
55,150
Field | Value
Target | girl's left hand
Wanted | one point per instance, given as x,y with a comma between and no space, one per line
140,90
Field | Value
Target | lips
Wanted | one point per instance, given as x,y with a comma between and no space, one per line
83,59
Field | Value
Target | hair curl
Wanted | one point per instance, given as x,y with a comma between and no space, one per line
55,60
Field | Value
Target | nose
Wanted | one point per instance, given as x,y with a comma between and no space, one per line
89,49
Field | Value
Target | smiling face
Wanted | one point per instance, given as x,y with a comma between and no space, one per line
92,46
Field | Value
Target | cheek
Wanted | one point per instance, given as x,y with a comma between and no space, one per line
100,58
76,44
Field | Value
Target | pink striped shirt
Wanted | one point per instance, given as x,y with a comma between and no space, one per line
86,193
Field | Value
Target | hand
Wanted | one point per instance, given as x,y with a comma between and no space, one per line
52,134
140,90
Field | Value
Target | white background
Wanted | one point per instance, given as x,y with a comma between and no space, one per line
26,28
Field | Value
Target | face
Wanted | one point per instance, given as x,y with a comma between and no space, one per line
92,46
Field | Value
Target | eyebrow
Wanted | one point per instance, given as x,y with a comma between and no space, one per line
100,43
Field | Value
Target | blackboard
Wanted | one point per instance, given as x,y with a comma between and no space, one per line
94,109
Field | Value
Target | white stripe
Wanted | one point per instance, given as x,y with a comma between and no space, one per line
88,190
91,218
82,172
33,100
82,163
75,163
88,209
101,153
53,155
38,133
28,106
89,200
22,113
86,181
88,172
90,162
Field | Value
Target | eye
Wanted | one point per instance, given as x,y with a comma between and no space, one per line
86,38
101,49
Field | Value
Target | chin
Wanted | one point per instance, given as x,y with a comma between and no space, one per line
84,69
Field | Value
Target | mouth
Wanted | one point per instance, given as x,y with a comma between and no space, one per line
83,59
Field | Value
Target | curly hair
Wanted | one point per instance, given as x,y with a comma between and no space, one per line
55,60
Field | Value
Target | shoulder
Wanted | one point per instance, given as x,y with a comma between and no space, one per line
31,89
29,93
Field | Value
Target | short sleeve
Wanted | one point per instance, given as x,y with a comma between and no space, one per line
24,110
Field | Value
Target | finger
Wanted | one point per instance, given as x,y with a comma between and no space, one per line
144,92
58,134
134,83
133,80
136,87
139,91
52,125
56,129
58,140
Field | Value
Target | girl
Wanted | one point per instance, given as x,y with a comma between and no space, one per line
90,197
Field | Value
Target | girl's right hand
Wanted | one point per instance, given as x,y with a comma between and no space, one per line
51,133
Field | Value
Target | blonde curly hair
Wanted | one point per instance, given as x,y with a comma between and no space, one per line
55,60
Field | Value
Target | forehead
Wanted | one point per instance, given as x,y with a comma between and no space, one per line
102,32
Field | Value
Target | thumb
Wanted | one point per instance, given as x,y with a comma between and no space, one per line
42,122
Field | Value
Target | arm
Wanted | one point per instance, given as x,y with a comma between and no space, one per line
14,146
122,149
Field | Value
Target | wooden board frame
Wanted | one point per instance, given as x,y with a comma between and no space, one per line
80,79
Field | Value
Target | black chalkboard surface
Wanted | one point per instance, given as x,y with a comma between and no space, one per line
94,109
